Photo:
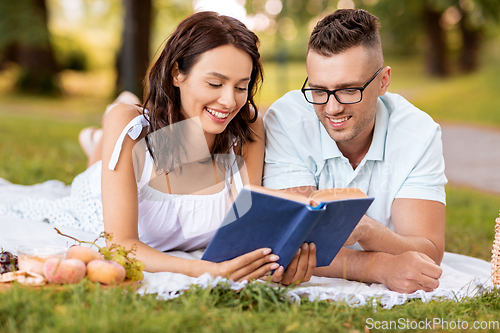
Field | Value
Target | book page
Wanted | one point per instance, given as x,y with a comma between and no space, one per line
336,194
315,198
280,193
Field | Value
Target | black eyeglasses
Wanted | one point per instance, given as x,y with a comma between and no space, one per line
343,96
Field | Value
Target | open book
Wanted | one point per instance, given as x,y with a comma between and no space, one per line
283,221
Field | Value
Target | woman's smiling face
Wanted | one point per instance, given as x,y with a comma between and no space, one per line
216,87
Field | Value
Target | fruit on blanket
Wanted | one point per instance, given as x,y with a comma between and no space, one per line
119,258
32,258
105,271
85,254
6,257
8,262
135,273
133,267
65,271
7,268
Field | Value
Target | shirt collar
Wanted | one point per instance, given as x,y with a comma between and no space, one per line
329,148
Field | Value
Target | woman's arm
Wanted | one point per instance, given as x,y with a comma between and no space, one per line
120,210
303,263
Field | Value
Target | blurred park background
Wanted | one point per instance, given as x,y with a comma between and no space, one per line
96,48
63,61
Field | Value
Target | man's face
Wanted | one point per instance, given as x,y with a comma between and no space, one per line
347,123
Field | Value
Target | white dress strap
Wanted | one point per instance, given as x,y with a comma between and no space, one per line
133,129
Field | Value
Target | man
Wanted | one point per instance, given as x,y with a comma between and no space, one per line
343,129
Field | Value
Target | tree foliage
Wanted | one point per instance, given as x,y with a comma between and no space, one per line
427,27
141,17
24,39
446,32
21,23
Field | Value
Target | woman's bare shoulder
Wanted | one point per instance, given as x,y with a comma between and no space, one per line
120,116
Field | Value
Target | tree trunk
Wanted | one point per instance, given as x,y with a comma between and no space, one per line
37,58
133,59
471,42
436,59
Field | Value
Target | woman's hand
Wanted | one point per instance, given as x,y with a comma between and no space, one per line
300,268
252,265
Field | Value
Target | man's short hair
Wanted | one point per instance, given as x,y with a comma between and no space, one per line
343,29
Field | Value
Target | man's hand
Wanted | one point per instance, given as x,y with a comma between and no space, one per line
409,271
300,268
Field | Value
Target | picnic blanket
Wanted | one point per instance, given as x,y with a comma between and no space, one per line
462,276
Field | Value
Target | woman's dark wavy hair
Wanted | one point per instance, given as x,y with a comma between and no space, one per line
343,29
197,34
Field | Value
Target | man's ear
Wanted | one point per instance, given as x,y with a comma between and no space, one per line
176,75
386,80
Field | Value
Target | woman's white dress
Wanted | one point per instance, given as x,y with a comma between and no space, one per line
166,221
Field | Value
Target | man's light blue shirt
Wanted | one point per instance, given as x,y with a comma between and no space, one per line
405,159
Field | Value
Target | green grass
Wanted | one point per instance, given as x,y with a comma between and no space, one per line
39,138
39,142
87,307
470,221
36,149
470,99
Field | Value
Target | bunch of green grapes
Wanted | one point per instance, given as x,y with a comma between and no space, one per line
134,268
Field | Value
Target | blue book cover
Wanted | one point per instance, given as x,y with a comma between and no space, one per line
283,222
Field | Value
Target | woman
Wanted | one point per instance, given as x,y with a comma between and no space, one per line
207,73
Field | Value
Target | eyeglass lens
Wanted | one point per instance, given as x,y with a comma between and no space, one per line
319,96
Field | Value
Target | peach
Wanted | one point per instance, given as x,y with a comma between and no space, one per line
64,271
105,271
85,254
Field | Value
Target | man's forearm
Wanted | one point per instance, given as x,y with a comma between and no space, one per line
404,272
379,238
354,265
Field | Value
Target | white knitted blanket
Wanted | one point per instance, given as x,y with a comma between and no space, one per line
462,276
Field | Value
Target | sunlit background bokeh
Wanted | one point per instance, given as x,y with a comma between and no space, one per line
427,38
